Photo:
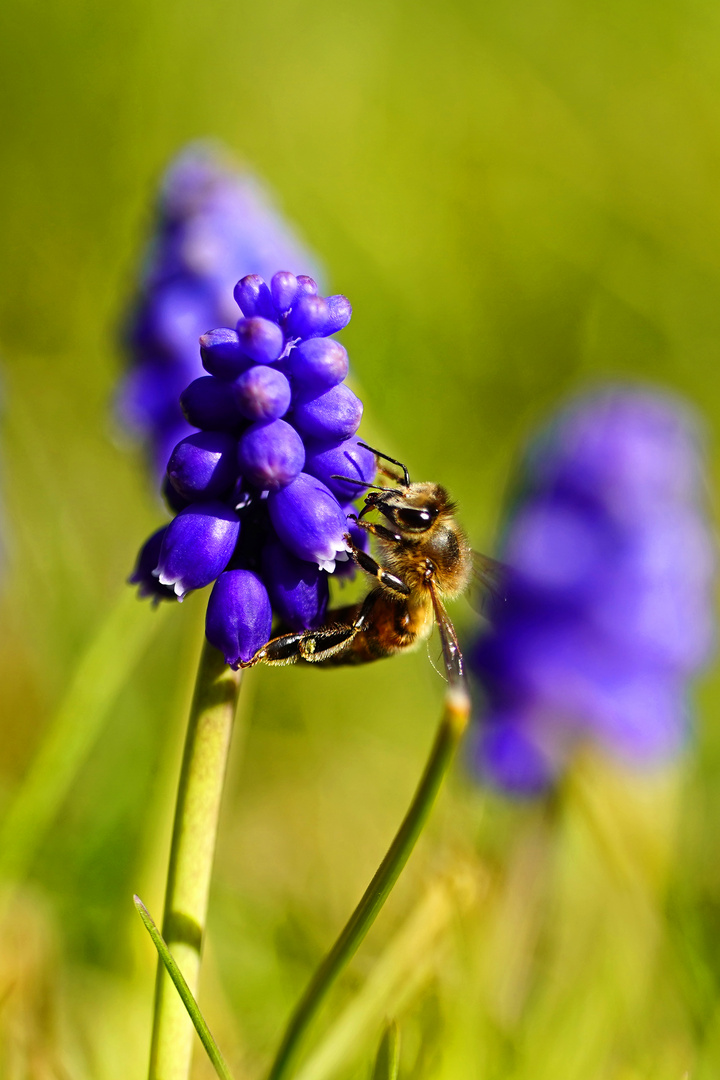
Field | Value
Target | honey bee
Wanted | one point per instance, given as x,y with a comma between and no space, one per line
424,558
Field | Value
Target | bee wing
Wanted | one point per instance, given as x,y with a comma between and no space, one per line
452,656
488,587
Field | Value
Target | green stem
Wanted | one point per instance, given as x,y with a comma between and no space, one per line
191,857
191,1005
452,726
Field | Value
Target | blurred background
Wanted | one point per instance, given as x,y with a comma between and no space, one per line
516,198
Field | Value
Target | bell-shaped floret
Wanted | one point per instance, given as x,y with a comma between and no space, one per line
197,546
310,522
239,616
143,575
298,589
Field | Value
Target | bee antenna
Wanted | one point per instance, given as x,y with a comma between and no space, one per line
378,453
359,483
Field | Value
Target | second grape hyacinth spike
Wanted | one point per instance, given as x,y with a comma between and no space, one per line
608,607
215,222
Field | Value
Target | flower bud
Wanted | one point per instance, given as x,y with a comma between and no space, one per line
209,404
306,285
331,416
298,590
260,339
271,455
204,466
341,459
221,353
262,393
253,297
308,317
340,314
318,364
197,546
284,289
309,520
239,616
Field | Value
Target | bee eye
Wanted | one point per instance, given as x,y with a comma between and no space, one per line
417,520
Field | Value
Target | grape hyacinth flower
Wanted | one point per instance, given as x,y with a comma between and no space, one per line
608,602
214,223
258,507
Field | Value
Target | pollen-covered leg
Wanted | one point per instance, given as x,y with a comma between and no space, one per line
316,646
313,646
281,650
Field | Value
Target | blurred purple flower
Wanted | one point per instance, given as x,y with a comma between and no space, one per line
608,607
214,223
249,517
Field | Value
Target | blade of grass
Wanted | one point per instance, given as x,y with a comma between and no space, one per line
211,1047
111,654
452,725
387,1063
400,973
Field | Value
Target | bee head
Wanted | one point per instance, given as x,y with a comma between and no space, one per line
411,509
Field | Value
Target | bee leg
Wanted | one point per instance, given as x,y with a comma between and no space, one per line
371,566
313,646
378,530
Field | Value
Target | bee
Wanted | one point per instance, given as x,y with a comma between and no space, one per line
424,559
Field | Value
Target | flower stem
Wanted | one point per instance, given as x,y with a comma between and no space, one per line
452,726
191,857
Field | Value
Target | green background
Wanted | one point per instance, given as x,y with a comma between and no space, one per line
517,198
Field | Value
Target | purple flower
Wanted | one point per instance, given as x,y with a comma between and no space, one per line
248,517
608,602
334,415
214,224
309,521
271,455
239,615
143,576
347,458
197,546
298,589
203,466
262,393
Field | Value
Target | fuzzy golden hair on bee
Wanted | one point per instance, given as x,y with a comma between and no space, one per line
424,557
